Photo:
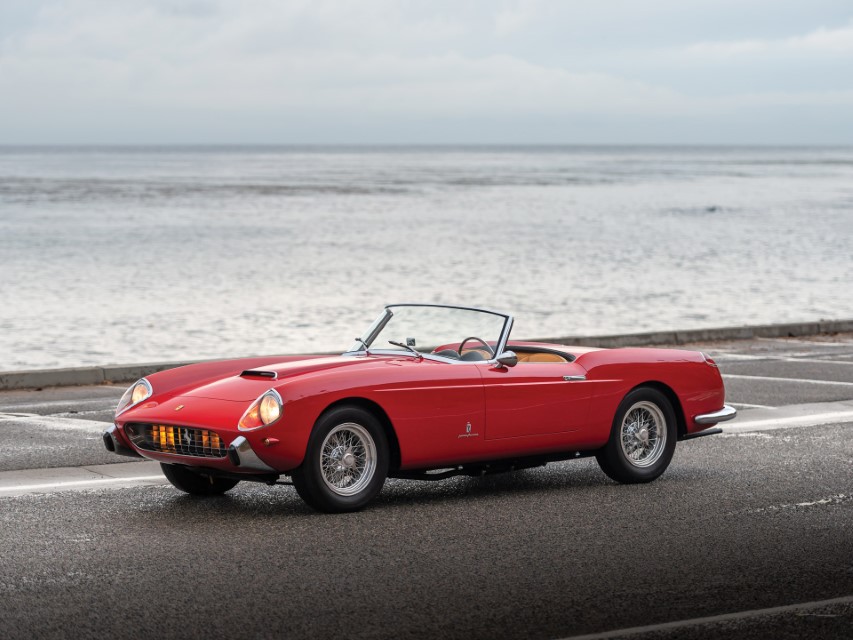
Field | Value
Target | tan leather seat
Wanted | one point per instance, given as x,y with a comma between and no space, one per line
540,356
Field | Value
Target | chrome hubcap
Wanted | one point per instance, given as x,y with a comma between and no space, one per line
643,434
348,459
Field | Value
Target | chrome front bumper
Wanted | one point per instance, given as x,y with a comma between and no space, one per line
114,445
240,452
726,413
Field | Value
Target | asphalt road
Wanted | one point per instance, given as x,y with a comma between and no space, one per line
748,534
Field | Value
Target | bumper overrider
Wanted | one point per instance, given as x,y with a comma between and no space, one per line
239,453
726,413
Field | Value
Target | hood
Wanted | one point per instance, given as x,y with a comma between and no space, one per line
247,388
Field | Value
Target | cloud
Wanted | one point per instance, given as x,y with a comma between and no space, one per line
838,41
373,59
191,56
515,17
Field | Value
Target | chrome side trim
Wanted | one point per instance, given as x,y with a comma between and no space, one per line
726,413
241,453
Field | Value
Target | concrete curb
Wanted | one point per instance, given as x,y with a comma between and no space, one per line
109,374
76,376
789,330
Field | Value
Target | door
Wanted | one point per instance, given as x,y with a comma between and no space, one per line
437,409
534,398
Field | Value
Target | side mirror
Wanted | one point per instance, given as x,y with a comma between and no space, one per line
507,359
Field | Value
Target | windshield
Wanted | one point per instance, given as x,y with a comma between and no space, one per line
437,330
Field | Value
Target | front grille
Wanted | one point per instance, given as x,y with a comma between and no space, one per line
182,441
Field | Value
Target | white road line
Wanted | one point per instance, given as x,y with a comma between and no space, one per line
57,423
77,483
752,406
726,617
817,361
108,403
737,376
813,420
722,358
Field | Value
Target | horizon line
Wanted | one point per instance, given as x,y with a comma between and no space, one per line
153,145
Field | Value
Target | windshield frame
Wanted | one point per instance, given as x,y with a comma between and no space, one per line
387,313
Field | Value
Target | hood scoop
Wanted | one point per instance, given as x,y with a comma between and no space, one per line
253,373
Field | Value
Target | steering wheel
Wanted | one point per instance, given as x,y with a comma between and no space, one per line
481,341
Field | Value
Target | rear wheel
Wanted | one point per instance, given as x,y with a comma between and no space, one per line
346,461
195,483
642,438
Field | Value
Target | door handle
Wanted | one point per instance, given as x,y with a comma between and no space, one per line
574,378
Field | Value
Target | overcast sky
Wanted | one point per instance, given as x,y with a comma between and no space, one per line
433,71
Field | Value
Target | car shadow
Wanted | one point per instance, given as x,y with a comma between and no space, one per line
258,501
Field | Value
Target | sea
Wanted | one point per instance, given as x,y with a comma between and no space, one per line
148,254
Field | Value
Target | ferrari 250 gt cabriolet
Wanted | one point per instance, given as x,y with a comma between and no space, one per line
427,392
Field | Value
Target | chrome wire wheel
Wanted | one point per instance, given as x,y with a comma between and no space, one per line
348,459
643,434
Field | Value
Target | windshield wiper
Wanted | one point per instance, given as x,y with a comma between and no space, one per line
405,346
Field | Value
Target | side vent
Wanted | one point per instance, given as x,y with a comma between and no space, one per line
259,374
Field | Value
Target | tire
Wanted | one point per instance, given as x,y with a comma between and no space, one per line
642,438
194,483
346,461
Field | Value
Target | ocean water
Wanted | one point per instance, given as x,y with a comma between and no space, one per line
121,255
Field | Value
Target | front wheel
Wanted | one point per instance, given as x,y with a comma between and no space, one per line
195,483
642,438
346,461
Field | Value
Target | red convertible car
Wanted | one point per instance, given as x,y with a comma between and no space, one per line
427,392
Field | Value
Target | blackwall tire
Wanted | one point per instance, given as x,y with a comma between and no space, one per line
346,461
194,483
642,438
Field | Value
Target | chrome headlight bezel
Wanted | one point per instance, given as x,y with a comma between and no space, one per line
127,401
253,418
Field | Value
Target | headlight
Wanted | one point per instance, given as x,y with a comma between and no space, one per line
270,409
263,411
135,394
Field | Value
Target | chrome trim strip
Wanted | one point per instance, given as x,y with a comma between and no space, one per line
423,356
179,458
247,457
726,413
379,324
501,346
446,306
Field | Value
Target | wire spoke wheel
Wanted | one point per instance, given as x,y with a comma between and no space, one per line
643,434
642,437
348,459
